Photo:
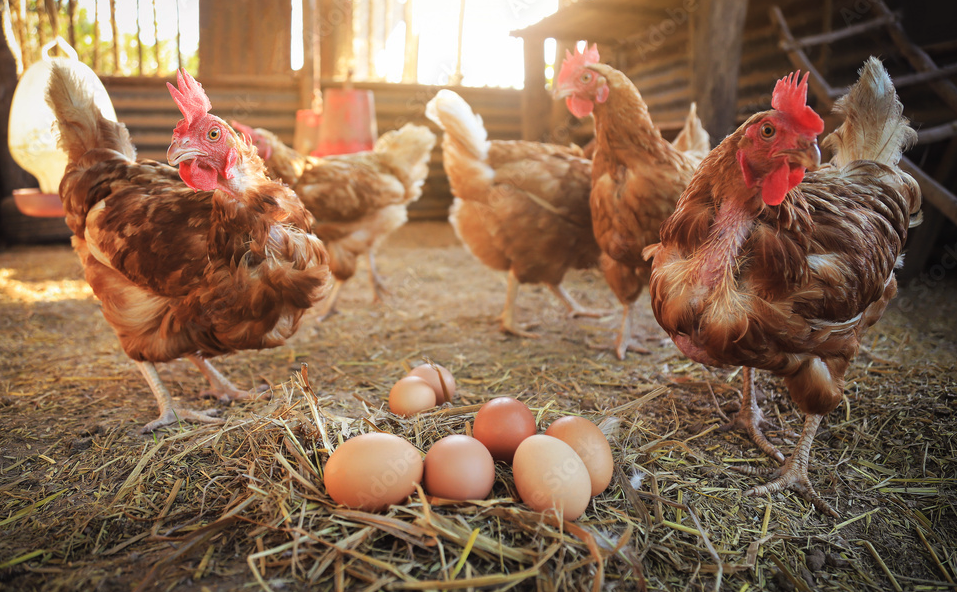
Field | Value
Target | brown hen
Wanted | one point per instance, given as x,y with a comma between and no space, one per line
220,263
358,199
764,266
637,175
520,207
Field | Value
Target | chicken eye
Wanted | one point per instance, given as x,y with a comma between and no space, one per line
213,134
767,131
586,77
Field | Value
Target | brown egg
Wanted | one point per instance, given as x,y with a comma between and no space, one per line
431,375
590,444
460,468
549,474
411,395
372,471
502,424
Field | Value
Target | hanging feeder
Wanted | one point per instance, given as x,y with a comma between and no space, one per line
348,121
32,130
308,124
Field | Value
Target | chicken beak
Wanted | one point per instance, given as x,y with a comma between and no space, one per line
180,151
561,92
808,155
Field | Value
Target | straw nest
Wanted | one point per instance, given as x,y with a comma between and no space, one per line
88,503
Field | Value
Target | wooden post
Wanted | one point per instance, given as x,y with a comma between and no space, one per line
116,38
156,38
410,65
335,37
308,76
244,38
456,77
96,37
716,35
139,41
71,25
536,102
179,42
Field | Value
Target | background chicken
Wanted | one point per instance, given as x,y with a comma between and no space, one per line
358,199
520,207
765,267
637,176
220,263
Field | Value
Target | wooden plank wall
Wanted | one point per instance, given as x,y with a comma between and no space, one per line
660,66
145,106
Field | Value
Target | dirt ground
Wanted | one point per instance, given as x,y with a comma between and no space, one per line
88,503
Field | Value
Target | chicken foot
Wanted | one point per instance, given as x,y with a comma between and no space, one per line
329,305
575,309
169,412
379,291
507,318
793,475
625,341
751,419
220,386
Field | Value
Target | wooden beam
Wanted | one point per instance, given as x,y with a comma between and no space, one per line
917,57
931,190
832,36
536,102
716,36
819,86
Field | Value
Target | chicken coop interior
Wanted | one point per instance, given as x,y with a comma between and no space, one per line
572,208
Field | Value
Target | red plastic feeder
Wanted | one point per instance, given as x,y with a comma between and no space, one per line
348,122
33,202
308,124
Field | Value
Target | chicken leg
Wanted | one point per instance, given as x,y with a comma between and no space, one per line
793,475
507,318
625,341
575,309
751,419
220,386
329,306
379,290
169,412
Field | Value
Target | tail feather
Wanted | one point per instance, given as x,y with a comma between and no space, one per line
465,146
411,147
82,125
874,127
693,140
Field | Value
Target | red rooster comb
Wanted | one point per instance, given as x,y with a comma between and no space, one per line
190,97
574,62
790,96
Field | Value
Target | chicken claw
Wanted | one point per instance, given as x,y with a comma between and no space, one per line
793,475
625,342
169,411
507,318
751,419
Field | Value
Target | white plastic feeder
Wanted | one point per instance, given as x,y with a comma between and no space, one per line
33,130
